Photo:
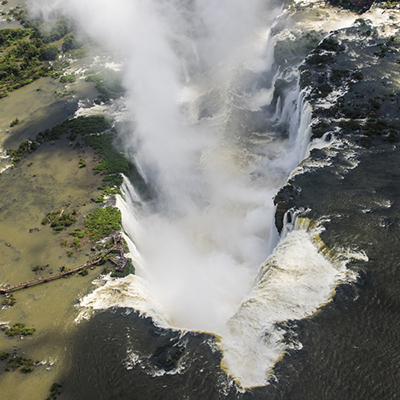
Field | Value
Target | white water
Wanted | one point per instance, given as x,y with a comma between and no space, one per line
191,75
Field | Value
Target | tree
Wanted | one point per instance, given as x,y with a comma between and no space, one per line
69,42
50,52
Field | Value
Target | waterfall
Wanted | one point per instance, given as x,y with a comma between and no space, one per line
215,148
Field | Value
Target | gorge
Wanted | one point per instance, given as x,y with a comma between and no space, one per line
230,107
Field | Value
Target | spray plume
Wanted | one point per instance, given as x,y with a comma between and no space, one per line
192,76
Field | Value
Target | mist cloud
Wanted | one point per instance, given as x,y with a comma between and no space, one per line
183,74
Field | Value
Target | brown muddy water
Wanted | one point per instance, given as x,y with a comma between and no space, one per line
38,106
44,181
3,18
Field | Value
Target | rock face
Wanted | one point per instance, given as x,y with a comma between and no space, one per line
349,185
354,5
352,82
352,75
284,202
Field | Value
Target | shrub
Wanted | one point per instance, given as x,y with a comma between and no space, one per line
9,301
83,272
14,122
68,78
19,329
102,221
58,220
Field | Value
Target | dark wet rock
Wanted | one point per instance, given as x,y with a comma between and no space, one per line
283,202
359,6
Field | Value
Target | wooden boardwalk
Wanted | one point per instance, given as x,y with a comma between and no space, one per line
118,246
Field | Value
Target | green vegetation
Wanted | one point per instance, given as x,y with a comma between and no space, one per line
128,269
15,362
70,42
76,244
58,220
291,51
9,300
360,21
77,53
18,362
389,4
14,122
54,391
83,272
322,91
60,29
75,126
24,147
358,76
112,162
338,75
49,52
20,64
102,221
349,126
26,51
108,84
77,233
68,78
319,129
104,95
358,6
19,329
9,37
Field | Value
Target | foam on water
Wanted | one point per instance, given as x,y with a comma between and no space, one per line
340,152
129,292
294,283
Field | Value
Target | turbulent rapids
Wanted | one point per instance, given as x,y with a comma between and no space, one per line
215,141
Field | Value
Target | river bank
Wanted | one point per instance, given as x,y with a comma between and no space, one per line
58,175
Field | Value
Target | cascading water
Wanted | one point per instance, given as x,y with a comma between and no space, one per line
200,84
